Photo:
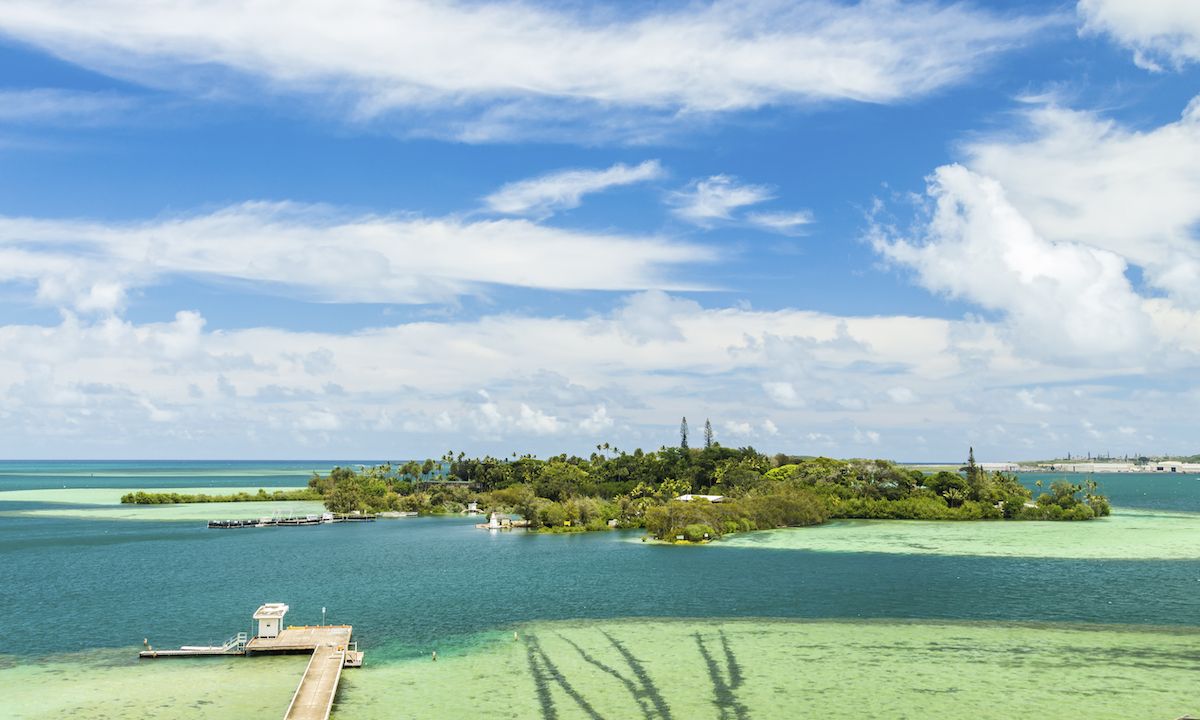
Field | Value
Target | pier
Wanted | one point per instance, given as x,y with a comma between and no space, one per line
291,520
330,646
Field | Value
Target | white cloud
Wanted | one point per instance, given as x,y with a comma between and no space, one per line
704,202
1079,178
784,223
114,387
1029,400
783,393
902,395
1158,31
543,195
536,421
319,253
979,248
651,316
864,437
468,66
597,422
769,428
318,420
737,428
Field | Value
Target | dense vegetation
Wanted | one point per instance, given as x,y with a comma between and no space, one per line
168,498
612,488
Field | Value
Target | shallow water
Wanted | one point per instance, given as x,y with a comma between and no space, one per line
112,496
113,684
1126,535
670,669
105,504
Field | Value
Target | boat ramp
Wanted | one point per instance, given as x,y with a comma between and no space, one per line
330,645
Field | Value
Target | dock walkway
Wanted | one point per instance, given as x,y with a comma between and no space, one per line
313,699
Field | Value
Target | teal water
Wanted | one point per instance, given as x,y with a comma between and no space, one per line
79,593
415,583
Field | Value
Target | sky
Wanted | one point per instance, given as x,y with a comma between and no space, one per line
317,229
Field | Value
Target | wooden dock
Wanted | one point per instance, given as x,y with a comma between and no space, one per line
330,646
313,699
302,638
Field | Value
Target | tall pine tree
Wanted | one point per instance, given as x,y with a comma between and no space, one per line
708,438
683,434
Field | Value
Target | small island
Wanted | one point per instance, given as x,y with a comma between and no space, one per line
683,494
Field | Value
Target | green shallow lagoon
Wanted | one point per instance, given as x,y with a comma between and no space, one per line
105,504
676,668
115,685
1126,535
112,496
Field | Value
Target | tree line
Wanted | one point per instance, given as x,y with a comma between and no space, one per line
614,488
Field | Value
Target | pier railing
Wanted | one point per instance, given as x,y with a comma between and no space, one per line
237,642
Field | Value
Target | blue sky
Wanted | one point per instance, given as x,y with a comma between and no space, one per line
389,229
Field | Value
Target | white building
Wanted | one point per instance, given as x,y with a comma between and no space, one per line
711,498
270,619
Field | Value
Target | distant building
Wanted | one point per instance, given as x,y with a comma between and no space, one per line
711,498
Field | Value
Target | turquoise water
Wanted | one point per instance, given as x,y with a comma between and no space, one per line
75,584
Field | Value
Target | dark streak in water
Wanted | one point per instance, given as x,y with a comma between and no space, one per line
643,677
634,690
724,697
540,684
534,647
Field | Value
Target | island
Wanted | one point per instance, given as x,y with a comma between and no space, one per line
683,494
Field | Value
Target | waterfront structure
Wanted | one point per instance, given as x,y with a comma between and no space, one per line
270,618
330,646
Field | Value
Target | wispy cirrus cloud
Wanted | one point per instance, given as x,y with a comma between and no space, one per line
61,106
459,68
717,200
543,195
784,223
324,254
714,199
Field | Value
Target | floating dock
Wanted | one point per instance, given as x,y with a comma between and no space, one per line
330,645
292,520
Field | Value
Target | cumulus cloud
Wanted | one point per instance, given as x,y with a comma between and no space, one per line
543,195
113,387
312,251
1158,31
783,393
465,66
1061,215
737,428
597,422
705,202
866,437
1077,177
979,248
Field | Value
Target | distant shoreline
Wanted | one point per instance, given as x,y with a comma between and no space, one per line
1159,468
